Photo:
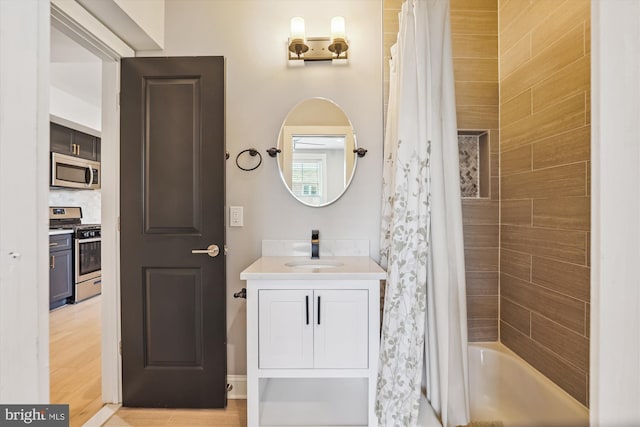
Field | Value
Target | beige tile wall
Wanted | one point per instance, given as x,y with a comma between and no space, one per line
474,33
544,128
474,26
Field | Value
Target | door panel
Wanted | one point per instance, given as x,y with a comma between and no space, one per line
173,313
166,99
285,330
341,329
172,201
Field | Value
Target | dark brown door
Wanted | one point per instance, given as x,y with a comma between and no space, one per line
172,201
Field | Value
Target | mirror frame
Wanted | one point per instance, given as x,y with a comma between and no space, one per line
280,157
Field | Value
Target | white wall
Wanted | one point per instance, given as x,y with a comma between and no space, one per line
24,254
75,109
260,90
148,14
615,210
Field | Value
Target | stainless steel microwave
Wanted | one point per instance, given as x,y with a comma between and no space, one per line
74,172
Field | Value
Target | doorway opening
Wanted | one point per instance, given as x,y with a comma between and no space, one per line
75,325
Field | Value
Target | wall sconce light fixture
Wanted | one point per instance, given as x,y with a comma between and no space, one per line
338,36
297,43
332,48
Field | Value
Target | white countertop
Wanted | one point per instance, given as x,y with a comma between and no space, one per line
60,231
350,267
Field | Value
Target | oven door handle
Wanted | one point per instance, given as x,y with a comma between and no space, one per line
95,239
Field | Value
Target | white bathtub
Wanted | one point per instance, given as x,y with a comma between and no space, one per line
502,387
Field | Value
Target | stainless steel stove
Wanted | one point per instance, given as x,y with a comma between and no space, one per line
86,250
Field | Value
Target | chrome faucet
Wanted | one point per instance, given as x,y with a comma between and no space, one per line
315,244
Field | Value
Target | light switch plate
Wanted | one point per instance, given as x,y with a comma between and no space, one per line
236,216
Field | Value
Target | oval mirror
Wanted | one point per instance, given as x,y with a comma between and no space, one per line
316,158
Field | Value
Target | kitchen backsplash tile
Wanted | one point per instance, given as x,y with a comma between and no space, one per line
88,200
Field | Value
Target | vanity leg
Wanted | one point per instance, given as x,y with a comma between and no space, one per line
253,408
253,392
374,349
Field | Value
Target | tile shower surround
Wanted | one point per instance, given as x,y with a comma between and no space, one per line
545,200
539,130
475,46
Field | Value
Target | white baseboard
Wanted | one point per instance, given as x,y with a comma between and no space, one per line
102,416
239,384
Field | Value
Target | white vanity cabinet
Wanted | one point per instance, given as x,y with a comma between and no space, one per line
319,328
312,343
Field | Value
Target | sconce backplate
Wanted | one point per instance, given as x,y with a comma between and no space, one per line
318,50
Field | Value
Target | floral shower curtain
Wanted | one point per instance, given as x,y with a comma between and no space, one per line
424,334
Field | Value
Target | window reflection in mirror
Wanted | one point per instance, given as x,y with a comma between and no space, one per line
317,160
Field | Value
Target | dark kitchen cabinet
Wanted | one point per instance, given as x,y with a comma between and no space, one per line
60,269
71,142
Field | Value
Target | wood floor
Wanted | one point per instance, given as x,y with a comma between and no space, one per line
234,416
75,358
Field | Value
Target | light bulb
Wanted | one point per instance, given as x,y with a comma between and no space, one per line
337,28
297,28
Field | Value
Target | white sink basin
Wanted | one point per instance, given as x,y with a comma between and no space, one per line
313,264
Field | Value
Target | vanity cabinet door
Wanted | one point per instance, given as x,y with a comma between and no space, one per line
285,329
341,323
